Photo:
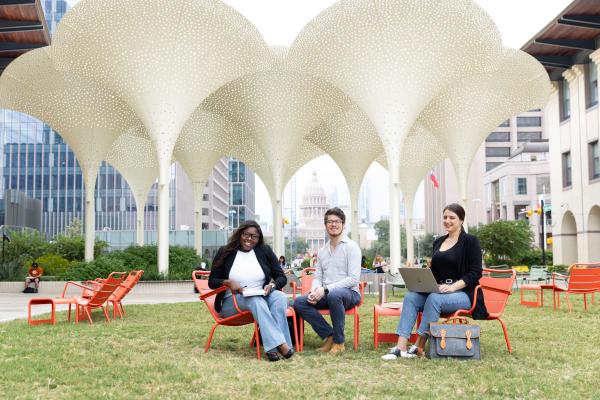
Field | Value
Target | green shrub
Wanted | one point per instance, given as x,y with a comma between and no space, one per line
306,263
560,268
53,264
24,247
533,257
73,247
182,261
99,268
12,271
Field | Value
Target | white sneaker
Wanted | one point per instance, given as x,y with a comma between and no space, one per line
413,350
396,353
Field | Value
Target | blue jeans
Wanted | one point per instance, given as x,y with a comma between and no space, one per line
337,301
432,305
270,313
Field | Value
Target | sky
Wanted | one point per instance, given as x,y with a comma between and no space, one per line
279,21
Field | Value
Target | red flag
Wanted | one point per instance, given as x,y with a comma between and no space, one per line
433,179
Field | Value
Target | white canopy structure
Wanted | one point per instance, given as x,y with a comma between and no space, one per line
134,156
194,80
162,58
205,138
392,58
87,116
351,140
279,107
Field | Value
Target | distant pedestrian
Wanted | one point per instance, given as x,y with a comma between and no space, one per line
34,274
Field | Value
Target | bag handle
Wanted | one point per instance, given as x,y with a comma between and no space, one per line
457,320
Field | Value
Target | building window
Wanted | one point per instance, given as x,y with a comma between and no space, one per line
205,211
542,184
594,156
528,136
498,137
592,84
491,165
565,100
505,123
236,194
566,170
521,186
497,151
529,121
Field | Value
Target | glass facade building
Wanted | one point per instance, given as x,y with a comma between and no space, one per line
241,193
37,162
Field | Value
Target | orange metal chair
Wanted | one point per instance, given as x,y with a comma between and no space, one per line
208,296
306,279
98,299
582,279
380,310
497,287
123,290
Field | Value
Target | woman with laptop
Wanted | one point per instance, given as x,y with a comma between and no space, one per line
456,266
252,274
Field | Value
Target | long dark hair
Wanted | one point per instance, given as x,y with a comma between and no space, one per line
234,243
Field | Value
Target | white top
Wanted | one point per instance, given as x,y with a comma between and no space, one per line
247,271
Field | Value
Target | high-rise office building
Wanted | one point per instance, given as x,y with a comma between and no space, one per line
241,193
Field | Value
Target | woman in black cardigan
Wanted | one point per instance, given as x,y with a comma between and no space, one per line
456,265
247,265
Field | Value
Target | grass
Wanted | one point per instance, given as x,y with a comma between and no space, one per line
157,353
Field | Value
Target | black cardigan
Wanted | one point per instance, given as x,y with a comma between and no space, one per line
268,262
468,255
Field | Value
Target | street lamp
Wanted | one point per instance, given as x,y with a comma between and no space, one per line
232,214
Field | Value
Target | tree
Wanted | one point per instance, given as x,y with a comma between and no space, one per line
503,241
425,244
301,247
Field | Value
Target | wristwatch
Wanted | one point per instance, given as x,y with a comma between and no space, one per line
326,291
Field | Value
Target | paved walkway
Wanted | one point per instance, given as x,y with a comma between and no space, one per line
14,305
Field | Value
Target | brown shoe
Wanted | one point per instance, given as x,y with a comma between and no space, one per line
326,345
337,348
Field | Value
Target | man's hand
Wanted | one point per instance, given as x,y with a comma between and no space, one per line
315,295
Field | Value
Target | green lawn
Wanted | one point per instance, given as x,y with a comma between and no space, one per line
157,353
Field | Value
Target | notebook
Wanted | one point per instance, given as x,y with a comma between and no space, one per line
253,292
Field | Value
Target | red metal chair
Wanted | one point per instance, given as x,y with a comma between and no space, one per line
123,290
306,279
582,279
381,310
497,287
98,298
208,296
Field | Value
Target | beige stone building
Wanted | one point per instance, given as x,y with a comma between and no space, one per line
517,185
568,48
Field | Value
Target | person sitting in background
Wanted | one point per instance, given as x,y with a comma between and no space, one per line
34,274
378,264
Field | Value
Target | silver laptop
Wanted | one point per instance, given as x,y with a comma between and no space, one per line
419,280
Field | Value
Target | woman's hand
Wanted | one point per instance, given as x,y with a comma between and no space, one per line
447,288
269,288
233,286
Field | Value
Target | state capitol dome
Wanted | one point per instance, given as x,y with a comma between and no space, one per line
312,210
